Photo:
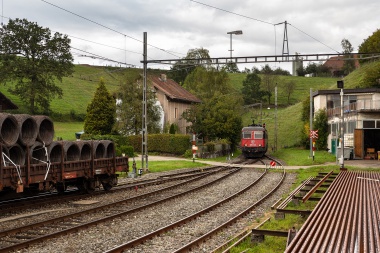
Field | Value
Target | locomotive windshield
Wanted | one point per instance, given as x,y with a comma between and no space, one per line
259,135
246,135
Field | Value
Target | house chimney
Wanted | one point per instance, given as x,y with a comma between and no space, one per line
163,77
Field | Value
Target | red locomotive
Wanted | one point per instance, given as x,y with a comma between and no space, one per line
254,141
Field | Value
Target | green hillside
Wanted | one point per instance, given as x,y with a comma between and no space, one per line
79,88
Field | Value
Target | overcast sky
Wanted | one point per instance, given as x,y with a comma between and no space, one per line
114,28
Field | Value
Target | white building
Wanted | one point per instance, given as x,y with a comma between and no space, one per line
361,116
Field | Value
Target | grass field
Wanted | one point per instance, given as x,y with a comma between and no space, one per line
67,130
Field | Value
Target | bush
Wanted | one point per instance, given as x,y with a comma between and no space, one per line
210,146
188,153
126,150
175,144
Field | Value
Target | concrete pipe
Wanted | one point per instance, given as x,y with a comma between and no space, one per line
45,128
9,130
38,153
85,150
27,129
55,152
16,154
109,148
72,152
99,149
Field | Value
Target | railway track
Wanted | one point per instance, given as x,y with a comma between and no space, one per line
217,219
21,237
40,200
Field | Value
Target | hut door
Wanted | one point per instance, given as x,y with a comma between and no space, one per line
358,142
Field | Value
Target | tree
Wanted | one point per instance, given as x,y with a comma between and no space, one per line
33,58
216,119
101,112
205,83
195,57
251,89
371,76
305,117
268,81
348,65
288,88
320,124
370,45
231,67
129,107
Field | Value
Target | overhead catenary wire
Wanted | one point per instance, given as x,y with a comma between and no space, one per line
262,21
111,29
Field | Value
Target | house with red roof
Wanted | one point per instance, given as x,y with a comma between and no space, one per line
174,100
335,64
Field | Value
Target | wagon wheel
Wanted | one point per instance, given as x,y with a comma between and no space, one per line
90,186
86,186
61,188
107,186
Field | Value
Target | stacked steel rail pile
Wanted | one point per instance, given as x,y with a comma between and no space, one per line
346,219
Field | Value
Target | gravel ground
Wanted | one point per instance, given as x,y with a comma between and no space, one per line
106,236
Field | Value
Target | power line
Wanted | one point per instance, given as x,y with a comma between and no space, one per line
106,27
104,45
262,21
313,38
237,14
95,56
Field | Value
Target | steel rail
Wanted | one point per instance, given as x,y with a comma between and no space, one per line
238,239
157,232
22,204
188,247
346,219
312,190
293,193
306,229
96,209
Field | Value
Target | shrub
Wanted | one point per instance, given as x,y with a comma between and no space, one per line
210,146
188,153
126,150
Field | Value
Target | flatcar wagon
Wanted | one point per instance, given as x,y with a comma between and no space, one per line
30,161
254,141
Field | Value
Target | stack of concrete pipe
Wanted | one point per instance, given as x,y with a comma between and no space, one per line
23,133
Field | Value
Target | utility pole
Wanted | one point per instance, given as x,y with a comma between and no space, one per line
275,119
311,121
144,132
285,48
340,85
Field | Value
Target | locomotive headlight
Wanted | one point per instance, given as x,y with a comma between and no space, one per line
259,145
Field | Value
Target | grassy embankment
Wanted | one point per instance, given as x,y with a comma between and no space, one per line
78,91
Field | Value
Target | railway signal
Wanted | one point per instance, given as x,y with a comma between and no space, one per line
313,135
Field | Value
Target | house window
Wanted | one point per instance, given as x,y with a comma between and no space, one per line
175,113
368,124
351,125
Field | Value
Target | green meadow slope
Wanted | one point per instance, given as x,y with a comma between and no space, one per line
78,91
